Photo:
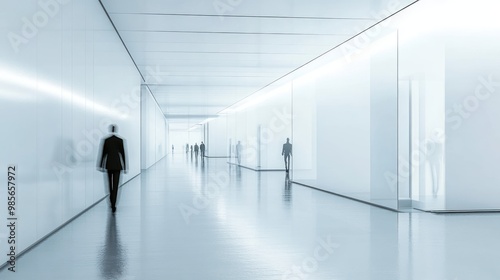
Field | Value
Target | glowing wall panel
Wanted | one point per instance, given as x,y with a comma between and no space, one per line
64,77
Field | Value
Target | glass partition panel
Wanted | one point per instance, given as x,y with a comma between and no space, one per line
345,123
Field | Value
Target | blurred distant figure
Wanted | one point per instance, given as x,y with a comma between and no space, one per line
172,149
238,152
435,151
187,148
191,149
196,149
202,149
286,152
113,161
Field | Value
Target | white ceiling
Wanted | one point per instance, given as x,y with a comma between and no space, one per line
200,56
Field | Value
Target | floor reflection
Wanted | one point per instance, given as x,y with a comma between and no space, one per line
112,257
253,228
287,190
238,173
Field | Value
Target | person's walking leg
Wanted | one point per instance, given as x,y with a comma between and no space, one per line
110,185
287,162
116,182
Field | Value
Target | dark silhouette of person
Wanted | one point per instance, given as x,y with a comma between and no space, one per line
286,153
238,152
113,160
191,149
202,149
196,149
112,257
187,148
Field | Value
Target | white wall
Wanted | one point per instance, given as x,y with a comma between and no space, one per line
384,119
217,143
447,58
60,88
340,113
262,126
345,122
407,109
345,111
448,70
472,85
154,130
422,80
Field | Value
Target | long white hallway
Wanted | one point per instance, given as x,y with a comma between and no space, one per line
188,219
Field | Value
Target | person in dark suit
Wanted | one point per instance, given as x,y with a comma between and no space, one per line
286,152
196,148
113,160
202,149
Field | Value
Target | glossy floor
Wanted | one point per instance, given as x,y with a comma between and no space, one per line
188,219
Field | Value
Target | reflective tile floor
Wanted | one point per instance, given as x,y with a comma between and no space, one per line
187,219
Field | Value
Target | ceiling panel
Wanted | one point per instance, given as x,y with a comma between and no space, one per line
228,39
245,25
198,57
313,8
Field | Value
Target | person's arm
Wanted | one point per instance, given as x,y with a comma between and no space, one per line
104,154
122,152
283,150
